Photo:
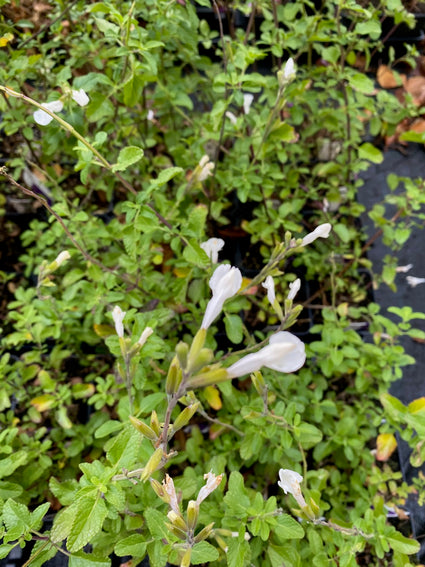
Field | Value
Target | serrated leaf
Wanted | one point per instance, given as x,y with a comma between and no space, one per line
126,157
288,528
238,553
194,254
402,544
63,523
134,545
122,449
82,559
385,446
236,497
41,553
156,524
87,522
203,552
16,518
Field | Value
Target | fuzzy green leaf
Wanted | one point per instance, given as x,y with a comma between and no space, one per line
288,528
203,552
134,545
403,544
126,157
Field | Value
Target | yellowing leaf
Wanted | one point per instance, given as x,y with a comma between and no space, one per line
385,446
5,39
181,272
43,403
103,330
417,405
212,396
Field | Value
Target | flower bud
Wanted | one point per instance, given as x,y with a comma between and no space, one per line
259,384
204,533
143,428
224,283
208,378
192,514
152,465
177,531
182,351
60,259
177,520
118,317
185,562
195,348
155,423
185,416
322,231
174,378
159,490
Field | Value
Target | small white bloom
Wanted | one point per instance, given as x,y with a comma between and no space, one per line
289,70
269,285
404,269
212,483
42,117
231,117
294,288
118,317
205,168
80,97
144,336
151,115
212,247
413,282
62,257
284,353
224,283
322,231
247,101
290,484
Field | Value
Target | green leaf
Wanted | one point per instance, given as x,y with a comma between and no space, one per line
238,553
111,426
82,559
233,325
88,521
194,254
156,524
16,518
126,157
361,83
236,497
308,435
134,545
9,490
9,464
369,152
203,552
402,544
288,528
371,28
122,449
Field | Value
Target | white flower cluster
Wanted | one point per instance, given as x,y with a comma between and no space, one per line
44,118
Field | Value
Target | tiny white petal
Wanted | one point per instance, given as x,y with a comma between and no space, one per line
204,168
118,317
62,257
322,231
289,481
144,336
224,283
212,483
294,288
269,285
404,269
80,97
413,281
212,247
151,115
247,101
289,71
42,117
231,117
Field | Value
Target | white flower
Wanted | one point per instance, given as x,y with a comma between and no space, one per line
404,269
247,101
224,283
322,231
290,484
289,70
144,336
269,285
284,353
118,316
212,247
42,117
205,168
413,282
294,288
212,483
62,257
151,115
80,97
231,117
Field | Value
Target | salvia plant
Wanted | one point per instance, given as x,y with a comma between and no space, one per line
183,379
